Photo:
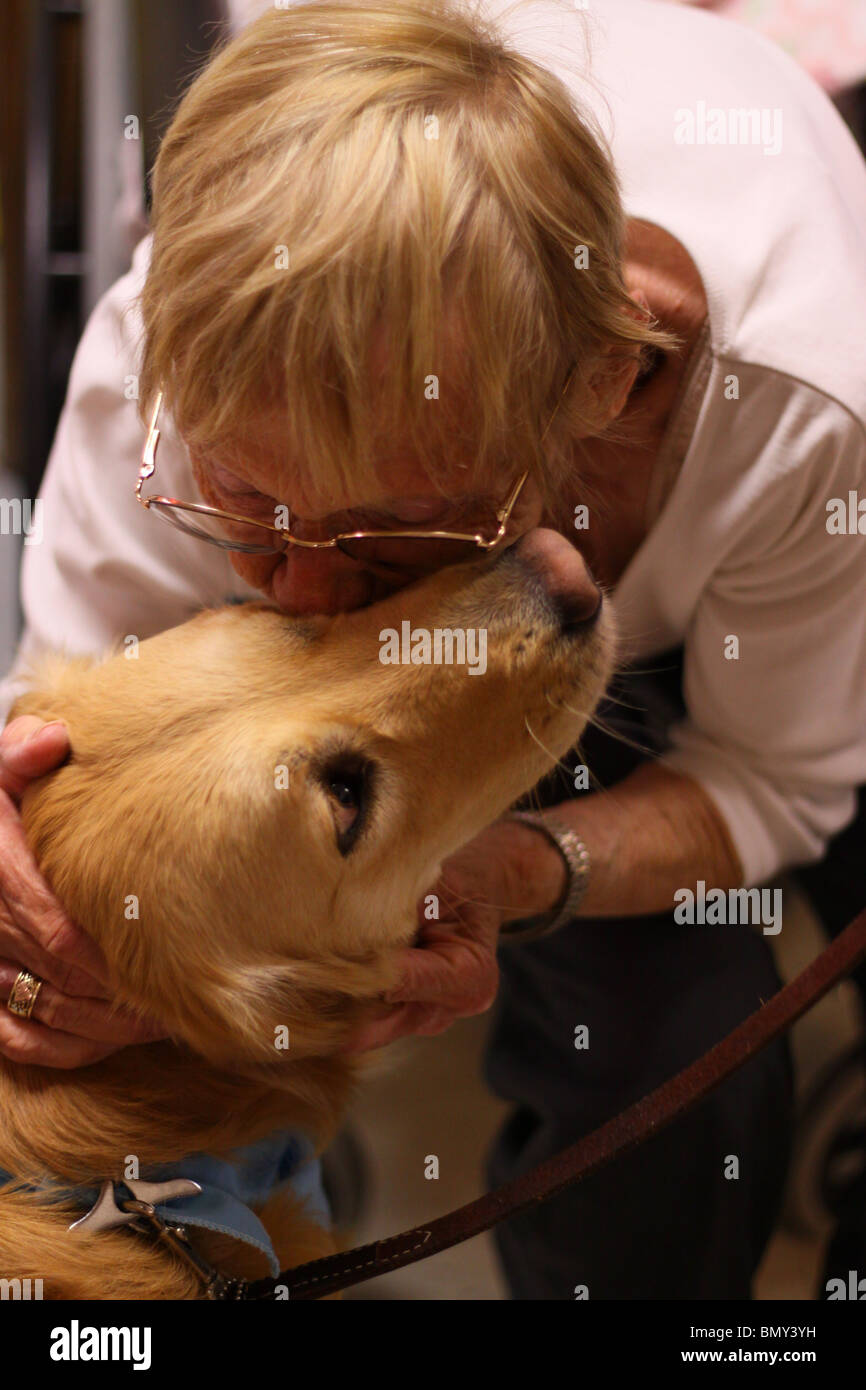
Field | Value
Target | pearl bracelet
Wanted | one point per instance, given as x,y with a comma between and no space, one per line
576,856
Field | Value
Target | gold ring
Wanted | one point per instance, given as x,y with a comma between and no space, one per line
25,991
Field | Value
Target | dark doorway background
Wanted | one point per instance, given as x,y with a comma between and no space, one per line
45,71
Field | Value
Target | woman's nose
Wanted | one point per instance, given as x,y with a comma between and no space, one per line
325,581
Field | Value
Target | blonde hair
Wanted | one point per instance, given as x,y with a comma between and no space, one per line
342,168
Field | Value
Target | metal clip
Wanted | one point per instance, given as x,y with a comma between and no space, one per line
140,1213
105,1213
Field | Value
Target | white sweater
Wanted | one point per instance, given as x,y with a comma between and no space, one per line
739,544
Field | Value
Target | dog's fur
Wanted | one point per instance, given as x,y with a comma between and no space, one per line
248,915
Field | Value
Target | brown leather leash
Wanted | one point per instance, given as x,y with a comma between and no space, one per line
624,1132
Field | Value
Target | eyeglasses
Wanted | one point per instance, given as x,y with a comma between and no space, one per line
389,551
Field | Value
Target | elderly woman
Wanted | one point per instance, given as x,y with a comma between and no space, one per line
401,256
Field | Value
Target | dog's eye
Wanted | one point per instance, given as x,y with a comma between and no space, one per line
347,791
347,785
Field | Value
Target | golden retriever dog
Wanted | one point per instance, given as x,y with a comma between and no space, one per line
275,801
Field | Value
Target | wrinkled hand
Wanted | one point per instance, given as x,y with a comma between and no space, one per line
74,1022
452,972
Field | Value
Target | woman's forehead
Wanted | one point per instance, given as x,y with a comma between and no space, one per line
267,453
266,458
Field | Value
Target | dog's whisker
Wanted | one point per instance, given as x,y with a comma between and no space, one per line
557,762
620,737
569,709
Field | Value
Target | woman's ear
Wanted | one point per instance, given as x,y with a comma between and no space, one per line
612,382
611,386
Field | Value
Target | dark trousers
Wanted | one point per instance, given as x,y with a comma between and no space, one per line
670,1220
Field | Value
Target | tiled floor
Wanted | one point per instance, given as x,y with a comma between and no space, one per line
424,1097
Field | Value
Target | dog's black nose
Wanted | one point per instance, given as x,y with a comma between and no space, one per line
564,574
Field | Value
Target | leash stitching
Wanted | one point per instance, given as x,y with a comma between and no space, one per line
350,1269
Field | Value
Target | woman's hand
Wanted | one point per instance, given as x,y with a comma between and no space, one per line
508,871
73,1023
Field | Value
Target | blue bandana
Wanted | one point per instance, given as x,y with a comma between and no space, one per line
230,1188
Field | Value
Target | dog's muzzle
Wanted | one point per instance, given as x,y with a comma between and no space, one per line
562,574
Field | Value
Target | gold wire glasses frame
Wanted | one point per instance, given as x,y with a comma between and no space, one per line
173,510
